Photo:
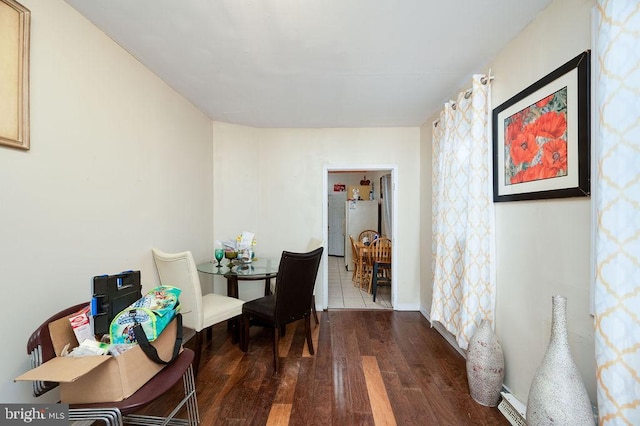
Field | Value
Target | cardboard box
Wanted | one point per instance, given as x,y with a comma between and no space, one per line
99,378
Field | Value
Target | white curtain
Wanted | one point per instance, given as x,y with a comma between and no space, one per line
463,219
617,201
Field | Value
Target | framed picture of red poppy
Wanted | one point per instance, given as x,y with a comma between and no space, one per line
541,137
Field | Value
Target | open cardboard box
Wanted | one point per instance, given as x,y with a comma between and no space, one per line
100,378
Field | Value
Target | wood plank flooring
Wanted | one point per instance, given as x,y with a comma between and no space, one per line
370,368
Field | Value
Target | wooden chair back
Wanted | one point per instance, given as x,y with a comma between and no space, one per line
380,251
355,258
380,263
369,233
354,252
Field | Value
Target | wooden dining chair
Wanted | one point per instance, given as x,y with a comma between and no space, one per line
355,258
380,261
370,234
291,302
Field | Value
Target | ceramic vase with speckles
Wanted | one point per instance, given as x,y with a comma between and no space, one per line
485,366
557,395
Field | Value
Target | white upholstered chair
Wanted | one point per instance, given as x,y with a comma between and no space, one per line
199,312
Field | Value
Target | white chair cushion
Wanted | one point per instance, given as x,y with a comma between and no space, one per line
217,308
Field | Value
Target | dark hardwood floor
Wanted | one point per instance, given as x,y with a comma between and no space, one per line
370,368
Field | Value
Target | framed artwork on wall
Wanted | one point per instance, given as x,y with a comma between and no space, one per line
15,21
541,137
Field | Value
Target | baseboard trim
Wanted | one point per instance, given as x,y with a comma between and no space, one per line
406,307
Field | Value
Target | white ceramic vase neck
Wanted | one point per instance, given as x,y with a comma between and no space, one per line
559,334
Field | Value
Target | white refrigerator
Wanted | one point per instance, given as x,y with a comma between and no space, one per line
360,215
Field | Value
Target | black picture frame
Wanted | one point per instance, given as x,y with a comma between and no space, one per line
542,137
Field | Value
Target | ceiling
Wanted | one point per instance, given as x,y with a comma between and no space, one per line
314,63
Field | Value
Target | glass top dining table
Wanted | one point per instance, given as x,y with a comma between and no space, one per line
259,269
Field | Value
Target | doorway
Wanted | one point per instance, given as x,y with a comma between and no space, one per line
336,201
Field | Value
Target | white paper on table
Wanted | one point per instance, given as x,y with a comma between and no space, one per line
246,239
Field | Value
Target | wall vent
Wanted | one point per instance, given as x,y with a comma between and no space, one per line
512,409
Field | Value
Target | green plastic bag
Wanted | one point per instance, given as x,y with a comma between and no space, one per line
153,312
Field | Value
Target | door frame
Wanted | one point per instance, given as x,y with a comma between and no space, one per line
393,168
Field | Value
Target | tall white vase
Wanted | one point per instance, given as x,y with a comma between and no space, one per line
485,366
557,395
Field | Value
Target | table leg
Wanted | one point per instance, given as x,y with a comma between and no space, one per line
232,291
232,286
267,286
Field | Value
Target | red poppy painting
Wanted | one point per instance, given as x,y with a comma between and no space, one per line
536,141
541,137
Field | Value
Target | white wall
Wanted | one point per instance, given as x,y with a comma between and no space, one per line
277,189
543,246
119,163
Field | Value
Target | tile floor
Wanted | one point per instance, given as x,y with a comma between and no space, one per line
343,295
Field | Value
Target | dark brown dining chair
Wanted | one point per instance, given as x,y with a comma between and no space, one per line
313,244
380,261
291,302
40,349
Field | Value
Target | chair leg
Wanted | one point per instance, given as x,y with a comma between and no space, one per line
235,332
307,330
276,344
189,383
198,352
110,416
244,337
313,308
374,280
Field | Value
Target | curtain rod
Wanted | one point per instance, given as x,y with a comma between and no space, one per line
484,80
